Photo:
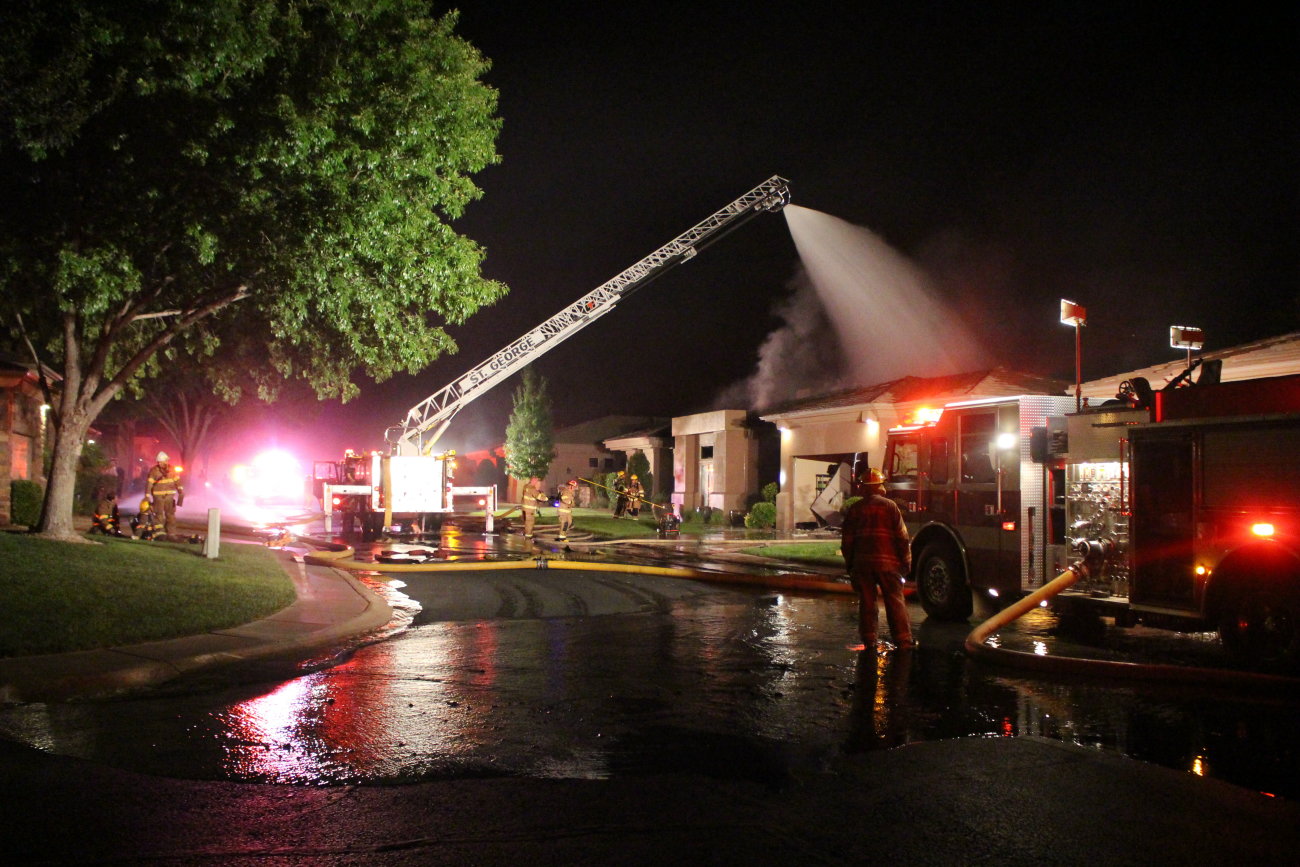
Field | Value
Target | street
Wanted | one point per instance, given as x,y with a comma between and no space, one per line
592,675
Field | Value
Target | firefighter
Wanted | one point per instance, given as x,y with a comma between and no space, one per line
107,519
568,495
142,524
634,494
878,553
531,496
163,490
620,494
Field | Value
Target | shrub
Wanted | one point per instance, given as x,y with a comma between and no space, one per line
761,517
25,498
770,490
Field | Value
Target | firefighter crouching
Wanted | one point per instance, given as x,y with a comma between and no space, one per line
142,524
163,490
107,520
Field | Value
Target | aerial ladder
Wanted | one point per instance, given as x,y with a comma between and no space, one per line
411,478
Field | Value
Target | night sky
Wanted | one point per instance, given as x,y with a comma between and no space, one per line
1141,164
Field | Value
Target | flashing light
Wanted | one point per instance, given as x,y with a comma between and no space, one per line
1009,526
178,469
1201,570
338,501
925,415
1007,440
993,591
1263,529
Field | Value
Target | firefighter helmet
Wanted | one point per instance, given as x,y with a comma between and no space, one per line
873,477
162,456
144,505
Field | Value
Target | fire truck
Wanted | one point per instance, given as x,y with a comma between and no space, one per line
413,485
1182,505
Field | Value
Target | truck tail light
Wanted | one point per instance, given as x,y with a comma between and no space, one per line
1263,529
338,501
1009,526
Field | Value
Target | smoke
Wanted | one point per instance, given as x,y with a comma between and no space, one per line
803,356
860,313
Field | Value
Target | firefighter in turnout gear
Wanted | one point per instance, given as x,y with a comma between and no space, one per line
877,553
107,519
634,494
620,494
142,524
163,490
531,496
568,496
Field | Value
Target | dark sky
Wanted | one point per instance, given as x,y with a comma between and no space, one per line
1139,163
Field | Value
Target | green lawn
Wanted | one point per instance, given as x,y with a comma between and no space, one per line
58,596
819,553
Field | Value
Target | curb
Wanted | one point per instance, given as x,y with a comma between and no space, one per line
330,604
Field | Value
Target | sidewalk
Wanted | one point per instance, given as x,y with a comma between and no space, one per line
331,604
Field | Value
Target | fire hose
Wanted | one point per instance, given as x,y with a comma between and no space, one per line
977,647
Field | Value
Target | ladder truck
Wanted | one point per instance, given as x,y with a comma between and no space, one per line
412,483
1182,506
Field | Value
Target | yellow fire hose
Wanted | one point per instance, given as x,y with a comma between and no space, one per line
977,648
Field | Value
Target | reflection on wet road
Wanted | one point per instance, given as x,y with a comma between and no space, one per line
593,674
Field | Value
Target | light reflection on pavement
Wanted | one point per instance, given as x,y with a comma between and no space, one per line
593,674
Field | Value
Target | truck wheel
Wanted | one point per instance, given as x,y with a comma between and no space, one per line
1262,626
941,583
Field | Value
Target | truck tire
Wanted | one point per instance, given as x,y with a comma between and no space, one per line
941,583
1261,625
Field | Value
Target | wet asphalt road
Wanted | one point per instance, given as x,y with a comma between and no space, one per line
592,675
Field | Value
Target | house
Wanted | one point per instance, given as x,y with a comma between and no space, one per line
828,439
23,427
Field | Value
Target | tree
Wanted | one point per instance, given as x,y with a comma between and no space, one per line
530,435
277,175
639,465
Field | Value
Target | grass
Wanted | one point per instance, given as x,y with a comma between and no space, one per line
58,596
818,553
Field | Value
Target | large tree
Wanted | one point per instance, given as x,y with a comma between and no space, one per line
280,173
530,433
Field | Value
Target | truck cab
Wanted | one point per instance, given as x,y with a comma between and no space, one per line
974,491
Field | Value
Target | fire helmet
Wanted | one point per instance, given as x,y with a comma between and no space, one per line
144,505
873,477
162,456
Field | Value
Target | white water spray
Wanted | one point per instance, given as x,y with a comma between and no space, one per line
863,314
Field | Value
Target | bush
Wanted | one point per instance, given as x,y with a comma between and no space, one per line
770,490
25,498
761,517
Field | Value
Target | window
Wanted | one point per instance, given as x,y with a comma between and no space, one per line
609,463
939,461
706,453
902,462
593,462
20,461
976,448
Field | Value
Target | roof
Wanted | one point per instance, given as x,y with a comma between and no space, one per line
996,382
597,430
1271,356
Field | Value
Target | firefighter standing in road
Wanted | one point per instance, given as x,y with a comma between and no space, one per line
878,553
531,496
163,489
568,495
